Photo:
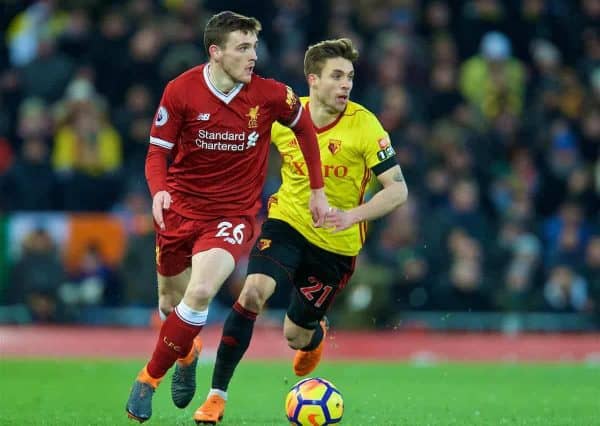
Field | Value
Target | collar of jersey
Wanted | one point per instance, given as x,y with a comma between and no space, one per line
225,97
330,125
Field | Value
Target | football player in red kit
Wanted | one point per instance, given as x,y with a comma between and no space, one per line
214,123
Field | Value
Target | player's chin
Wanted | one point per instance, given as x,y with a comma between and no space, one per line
340,106
246,76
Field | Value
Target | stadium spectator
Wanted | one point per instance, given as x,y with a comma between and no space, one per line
494,81
33,166
517,288
87,151
92,283
566,291
39,274
591,271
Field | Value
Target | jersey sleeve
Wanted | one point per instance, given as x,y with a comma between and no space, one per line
287,105
167,121
377,148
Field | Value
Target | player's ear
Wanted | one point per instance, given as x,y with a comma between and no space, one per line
311,79
214,51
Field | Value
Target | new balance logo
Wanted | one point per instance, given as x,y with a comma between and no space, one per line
203,116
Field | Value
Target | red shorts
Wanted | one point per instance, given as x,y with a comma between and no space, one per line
183,238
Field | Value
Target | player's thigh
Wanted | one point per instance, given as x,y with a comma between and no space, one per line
218,246
210,269
277,254
256,291
171,289
320,277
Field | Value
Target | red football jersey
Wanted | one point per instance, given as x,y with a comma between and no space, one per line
219,142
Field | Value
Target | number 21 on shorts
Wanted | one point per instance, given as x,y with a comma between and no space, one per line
310,291
231,234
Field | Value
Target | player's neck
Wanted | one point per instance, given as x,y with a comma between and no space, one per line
320,115
220,79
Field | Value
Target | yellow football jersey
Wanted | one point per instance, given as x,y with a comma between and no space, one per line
352,148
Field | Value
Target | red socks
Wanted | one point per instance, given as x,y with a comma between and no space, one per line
175,341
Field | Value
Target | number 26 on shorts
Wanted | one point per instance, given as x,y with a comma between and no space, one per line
231,234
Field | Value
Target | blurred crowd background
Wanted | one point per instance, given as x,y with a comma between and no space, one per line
493,108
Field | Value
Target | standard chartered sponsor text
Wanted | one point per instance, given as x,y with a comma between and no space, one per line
213,140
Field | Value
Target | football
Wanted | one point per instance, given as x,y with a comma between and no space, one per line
314,402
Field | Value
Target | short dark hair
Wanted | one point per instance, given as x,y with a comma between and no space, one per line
220,25
317,54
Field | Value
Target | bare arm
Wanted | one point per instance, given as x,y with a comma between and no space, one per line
393,194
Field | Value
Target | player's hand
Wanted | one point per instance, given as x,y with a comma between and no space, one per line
319,206
339,220
160,202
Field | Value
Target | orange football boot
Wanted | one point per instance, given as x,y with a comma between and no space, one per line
211,412
307,361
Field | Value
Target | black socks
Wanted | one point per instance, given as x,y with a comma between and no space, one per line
237,333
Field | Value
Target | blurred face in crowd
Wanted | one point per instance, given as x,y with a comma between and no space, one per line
332,88
438,14
237,57
592,255
35,150
464,197
562,277
465,274
591,123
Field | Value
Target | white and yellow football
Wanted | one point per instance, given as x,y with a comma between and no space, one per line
314,402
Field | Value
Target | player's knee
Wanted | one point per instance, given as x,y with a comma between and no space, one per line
166,303
199,294
165,309
296,337
253,297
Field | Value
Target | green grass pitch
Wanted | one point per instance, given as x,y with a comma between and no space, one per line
77,392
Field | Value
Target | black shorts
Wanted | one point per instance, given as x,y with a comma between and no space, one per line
317,275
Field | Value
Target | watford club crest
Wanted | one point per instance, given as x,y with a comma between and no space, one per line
253,117
334,146
264,244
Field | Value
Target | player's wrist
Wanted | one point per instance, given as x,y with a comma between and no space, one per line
159,191
355,217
